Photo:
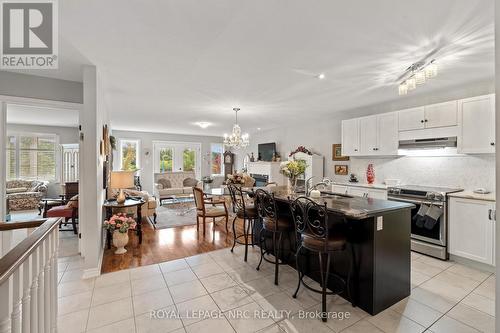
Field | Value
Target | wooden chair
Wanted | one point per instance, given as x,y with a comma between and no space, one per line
209,208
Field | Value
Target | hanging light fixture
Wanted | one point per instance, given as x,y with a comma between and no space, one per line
403,88
431,70
420,77
236,140
417,73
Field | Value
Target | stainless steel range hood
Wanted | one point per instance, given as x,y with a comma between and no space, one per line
429,143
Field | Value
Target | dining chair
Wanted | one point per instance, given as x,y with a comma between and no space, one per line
209,208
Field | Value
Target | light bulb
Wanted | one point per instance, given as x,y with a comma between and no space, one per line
411,83
403,89
420,77
431,70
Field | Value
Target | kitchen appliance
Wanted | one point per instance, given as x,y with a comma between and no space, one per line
428,143
431,241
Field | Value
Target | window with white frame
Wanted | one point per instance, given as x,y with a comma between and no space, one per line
216,152
129,154
31,156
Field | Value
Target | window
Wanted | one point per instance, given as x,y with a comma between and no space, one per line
216,151
31,156
166,159
188,159
129,154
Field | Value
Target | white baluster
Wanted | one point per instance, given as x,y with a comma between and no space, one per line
25,307
35,268
5,305
53,297
47,281
17,294
41,288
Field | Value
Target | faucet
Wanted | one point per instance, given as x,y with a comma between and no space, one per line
322,183
307,184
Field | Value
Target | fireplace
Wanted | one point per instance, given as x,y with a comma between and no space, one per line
260,180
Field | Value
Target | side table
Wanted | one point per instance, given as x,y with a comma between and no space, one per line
109,205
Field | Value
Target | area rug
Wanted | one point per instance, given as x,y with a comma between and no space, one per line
175,215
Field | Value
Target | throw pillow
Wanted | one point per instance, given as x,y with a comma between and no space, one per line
189,182
73,202
165,183
34,186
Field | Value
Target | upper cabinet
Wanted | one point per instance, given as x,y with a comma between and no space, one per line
476,118
350,137
429,116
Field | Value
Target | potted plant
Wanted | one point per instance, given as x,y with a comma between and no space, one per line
236,179
292,169
118,225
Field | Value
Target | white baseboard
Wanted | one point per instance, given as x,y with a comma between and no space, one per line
472,263
93,272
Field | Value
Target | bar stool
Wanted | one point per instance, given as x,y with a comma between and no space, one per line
248,213
311,224
273,224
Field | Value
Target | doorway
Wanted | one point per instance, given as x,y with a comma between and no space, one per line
177,156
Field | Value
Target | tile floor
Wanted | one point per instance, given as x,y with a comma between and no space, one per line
446,297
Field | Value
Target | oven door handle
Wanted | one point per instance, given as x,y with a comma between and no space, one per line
441,204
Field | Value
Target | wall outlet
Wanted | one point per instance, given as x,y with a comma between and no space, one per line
380,223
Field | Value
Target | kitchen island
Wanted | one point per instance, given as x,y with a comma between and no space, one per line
378,233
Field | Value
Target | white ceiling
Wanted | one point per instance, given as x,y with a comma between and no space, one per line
167,64
34,115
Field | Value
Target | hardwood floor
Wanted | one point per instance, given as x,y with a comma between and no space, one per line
167,244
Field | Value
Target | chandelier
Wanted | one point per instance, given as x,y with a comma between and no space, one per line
417,73
236,140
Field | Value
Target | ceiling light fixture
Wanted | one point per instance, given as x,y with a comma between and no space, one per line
418,73
321,76
236,140
203,124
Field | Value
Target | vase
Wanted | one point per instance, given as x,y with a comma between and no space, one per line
370,174
292,185
120,239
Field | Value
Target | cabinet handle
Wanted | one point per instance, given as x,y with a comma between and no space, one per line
492,215
489,214
426,120
355,150
492,143
422,121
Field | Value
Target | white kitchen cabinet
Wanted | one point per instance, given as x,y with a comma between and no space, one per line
357,191
476,119
350,137
441,115
411,119
368,135
377,194
387,134
472,229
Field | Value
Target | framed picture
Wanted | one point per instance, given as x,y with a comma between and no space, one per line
341,170
337,153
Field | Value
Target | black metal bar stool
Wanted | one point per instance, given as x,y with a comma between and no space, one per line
271,224
248,213
311,224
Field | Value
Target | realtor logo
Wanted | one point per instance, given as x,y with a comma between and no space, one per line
29,34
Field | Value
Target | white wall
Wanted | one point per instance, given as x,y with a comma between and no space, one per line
66,134
146,144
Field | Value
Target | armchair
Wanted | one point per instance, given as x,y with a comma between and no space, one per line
209,208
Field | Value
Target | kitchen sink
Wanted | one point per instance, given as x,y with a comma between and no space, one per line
335,196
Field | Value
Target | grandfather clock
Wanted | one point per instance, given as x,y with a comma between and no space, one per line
228,163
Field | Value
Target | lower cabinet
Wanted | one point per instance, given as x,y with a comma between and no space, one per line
472,229
358,191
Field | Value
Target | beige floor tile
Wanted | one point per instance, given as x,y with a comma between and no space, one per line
342,314
433,300
416,311
435,262
245,274
472,317
391,321
250,323
148,284
75,287
480,303
450,285
206,270
425,269
262,287
123,326
74,303
73,322
219,325
75,264
231,298
415,255
174,265
180,276
199,259
111,293
295,325
109,313
108,279
144,272
217,282
487,288
153,300
469,272
164,323
448,325
418,278
272,329
187,291
73,275
279,302
362,326
61,266
190,311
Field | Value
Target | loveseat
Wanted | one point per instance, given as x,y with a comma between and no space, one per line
171,184
25,194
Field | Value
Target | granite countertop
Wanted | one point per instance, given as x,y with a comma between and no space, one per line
377,186
352,207
471,195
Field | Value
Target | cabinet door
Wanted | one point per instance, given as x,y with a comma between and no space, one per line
350,137
411,119
357,191
368,135
339,189
477,125
387,130
441,115
471,230
377,194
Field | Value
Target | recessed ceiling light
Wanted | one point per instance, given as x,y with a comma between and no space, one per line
203,124
321,76
258,128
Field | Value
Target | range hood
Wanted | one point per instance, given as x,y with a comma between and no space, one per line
428,143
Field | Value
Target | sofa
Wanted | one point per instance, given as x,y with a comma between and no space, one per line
148,209
24,194
171,184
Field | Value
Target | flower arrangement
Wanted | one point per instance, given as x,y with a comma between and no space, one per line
120,222
301,149
292,169
236,178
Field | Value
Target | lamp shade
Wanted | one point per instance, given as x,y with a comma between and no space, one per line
122,179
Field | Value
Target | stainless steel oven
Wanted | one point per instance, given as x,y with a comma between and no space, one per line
432,240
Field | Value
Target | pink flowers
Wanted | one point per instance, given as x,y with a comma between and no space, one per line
120,222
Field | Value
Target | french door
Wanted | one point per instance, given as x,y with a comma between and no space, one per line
177,156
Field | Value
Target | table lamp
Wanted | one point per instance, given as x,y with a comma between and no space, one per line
121,180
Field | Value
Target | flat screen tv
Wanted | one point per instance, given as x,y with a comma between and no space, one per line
266,151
